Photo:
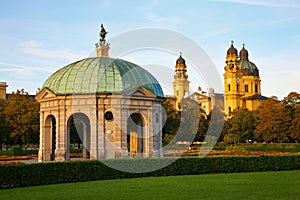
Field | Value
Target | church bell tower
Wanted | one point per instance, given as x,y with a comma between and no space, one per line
232,81
181,83
3,90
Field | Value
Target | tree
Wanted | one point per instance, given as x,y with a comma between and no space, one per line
4,136
22,118
172,122
194,124
292,102
295,127
231,138
76,130
243,124
225,130
274,120
216,119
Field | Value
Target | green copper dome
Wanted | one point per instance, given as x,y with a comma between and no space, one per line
101,75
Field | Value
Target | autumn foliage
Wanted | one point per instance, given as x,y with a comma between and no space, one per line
19,117
274,121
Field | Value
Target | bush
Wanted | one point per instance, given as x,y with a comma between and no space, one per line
5,153
63,172
221,148
17,151
76,150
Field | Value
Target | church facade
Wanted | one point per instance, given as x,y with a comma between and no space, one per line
242,85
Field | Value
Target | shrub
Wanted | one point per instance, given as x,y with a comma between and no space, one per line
17,151
63,172
219,148
76,150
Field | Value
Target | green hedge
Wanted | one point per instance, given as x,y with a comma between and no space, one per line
17,151
280,147
74,171
75,150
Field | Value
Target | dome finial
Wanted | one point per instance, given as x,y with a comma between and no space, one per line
102,47
232,42
102,33
244,45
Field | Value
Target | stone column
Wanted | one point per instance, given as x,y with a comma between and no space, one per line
42,138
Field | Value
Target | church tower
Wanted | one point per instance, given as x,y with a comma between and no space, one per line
241,82
3,90
232,81
181,83
251,79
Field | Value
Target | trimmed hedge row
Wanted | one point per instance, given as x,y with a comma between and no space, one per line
75,171
17,151
280,147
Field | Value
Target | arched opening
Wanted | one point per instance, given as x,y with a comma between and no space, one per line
135,135
50,138
79,135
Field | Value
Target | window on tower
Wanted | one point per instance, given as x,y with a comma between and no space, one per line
228,87
229,110
246,88
237,87
256,88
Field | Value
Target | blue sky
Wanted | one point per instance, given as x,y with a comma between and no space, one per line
39,37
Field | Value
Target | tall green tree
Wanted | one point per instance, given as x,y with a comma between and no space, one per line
22,118
76,131
295,127
274,120
171,119
216,119
4,135
292,102
243,124
194,123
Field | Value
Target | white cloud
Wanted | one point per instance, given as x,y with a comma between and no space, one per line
9,38
17,67
266,3
162,20
37,48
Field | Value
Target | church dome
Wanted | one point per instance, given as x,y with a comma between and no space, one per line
232,50
100,75
248,68
180,61
244,53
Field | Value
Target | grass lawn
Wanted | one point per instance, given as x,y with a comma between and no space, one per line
257,185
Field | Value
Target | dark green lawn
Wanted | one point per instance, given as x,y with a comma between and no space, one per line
257,185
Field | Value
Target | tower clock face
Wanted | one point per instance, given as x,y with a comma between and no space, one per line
228,80
238,80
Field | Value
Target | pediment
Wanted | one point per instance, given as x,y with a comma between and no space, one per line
199,95
140,92
45,94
